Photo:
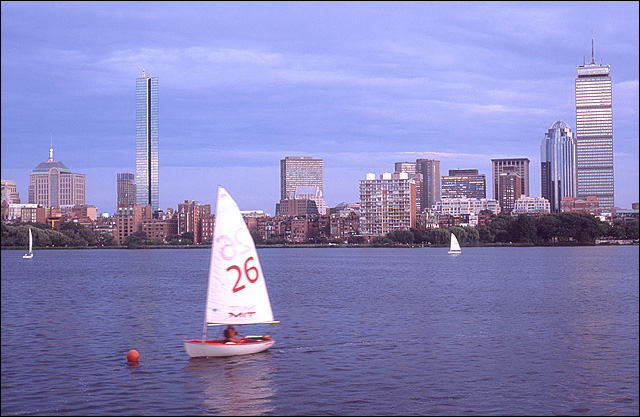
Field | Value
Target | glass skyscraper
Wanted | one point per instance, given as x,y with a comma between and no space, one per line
147,193
594,132
558,164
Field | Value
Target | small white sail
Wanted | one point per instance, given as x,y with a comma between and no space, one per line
237,292
30,253
455,246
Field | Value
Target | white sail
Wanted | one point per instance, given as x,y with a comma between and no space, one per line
29,254
237,292
455,246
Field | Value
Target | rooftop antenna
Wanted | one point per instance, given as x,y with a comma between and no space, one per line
593,59
144,75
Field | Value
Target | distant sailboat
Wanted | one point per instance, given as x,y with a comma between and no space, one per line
237,291
29,254
454,249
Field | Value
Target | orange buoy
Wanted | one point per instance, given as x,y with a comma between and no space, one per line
133,355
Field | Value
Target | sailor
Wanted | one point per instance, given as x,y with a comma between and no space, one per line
231,335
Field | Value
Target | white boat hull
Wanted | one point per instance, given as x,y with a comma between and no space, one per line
217,347
27,255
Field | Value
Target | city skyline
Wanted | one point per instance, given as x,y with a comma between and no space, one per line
245,85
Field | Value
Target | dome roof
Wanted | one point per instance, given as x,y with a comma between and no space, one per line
559,125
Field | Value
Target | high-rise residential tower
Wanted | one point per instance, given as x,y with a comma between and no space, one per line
594,132
147,142
387,203
558,165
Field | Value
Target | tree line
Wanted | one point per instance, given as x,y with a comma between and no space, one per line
549,229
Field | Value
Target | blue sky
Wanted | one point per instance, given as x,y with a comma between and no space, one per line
361,85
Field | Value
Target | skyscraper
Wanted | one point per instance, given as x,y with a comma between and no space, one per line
558,164
518,165
430,170
297,171
594,132
52,184
509,190
147,142
126,189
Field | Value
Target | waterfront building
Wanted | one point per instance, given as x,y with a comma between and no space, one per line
518,165
126,189
297,171
589,205
128,221
147,186
10,192
464,183
509,186
558,170
460,206
531,206
159,229
52,184
189,214
387,203
594,133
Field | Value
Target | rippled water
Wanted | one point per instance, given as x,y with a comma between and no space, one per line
500,331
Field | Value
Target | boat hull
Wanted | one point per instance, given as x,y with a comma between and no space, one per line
27,255
217,347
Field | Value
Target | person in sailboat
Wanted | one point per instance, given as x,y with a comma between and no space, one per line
232,335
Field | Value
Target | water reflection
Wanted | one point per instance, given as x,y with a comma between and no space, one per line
241,385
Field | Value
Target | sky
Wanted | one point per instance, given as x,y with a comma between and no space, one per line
360,85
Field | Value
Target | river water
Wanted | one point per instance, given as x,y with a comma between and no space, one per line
364,331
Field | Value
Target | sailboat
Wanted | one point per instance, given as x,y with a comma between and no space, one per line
237,292
454,249
29,254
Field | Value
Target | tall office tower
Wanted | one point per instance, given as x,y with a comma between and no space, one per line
126,189
510,185
300,171
52,184
430,170
10,192
147,142
558,165
519,165
594,132
464,183
387,204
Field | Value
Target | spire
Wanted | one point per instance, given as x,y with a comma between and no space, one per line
51,149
